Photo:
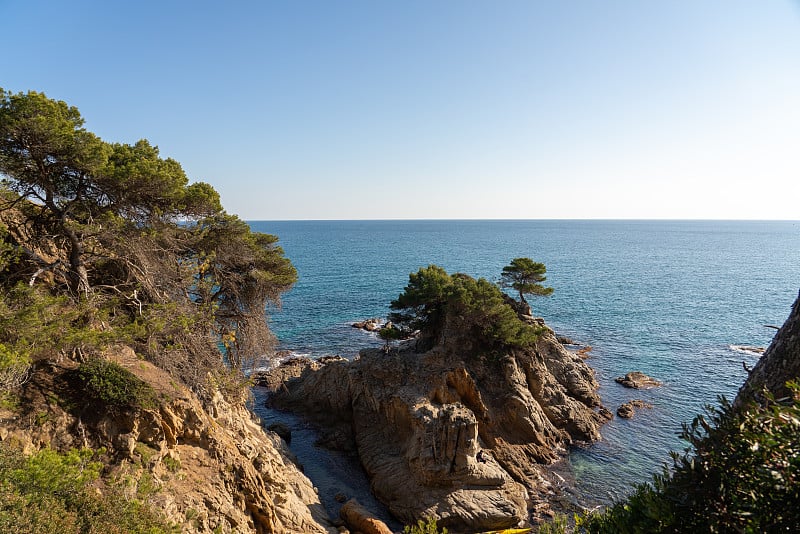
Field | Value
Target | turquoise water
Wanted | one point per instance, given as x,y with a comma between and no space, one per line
668,298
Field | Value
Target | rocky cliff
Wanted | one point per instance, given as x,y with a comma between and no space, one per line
779,364
451,435
208,468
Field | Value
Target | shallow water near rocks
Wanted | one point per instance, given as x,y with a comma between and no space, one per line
669,298
332,472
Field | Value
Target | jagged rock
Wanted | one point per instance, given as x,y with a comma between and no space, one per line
370,325
276,377
281,430
231,475
627,409
779,364
359,519
637,380
459,438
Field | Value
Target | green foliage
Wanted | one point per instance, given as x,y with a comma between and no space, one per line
128,250
36,324
52,492
115,386
14,369
171,464
525,276
8,254
558,525
472,310
741,473
427,526
238,272
389,334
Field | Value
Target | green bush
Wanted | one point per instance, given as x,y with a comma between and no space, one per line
740,473
52,492
114,385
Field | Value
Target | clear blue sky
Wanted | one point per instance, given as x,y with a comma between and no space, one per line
439,109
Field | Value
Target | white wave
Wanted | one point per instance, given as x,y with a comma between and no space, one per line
747,349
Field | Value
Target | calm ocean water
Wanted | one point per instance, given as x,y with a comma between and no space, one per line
668,298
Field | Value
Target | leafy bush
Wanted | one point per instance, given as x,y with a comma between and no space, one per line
51,492
741,473
114,385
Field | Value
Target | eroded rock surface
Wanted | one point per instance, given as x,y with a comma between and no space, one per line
461,438
215,468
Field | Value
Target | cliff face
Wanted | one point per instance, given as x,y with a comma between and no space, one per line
210,468
779,364
445,435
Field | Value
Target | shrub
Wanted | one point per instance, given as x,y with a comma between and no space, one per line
740,473
51,492
114,385
427,526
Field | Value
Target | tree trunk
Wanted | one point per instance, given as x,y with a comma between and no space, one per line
779,364
79,276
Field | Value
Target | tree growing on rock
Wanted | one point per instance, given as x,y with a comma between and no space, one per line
460,310
525,276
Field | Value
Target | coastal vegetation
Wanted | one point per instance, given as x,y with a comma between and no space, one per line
125,292
116,245
525,276
50,492
740,473
474,313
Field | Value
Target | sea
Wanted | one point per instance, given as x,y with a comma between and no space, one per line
678,300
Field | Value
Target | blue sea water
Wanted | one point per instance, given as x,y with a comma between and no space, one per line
667,298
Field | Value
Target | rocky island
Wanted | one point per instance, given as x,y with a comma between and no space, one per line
460,422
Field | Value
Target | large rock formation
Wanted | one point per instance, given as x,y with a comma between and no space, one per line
458,437
779,364
214,467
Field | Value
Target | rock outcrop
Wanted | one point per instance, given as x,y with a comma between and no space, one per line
628,409
637,380
461,438
779,364
215,468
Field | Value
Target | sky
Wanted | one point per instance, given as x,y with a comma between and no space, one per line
439,109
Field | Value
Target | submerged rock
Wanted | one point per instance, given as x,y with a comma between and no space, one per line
627,410
460,438
637,380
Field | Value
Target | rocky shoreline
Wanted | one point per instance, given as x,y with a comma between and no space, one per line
472,442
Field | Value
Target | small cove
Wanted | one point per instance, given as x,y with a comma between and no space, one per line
332,472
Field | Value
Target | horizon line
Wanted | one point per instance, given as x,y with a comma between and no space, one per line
599,219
